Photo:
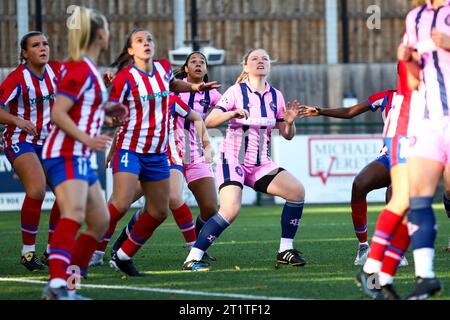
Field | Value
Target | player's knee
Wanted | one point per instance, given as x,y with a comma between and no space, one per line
296,193
208,210
76,213
359,187
122,205
36,192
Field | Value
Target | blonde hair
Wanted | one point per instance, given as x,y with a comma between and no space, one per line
244,75
83,34
417,3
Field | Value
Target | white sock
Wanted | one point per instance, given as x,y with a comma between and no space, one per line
385,279
363,243
286,244
26,249
122,255
57,282
47,249
101,254
372,266
195,254
423,261
190,245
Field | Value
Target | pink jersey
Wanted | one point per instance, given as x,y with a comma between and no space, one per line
247,141
201,102
435,62
147,98
30,98
178,109
81,82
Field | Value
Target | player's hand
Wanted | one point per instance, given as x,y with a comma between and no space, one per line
27,126
116,114
291,113
441,40
307,111
99,143
205,86
404,53
240,114
107,78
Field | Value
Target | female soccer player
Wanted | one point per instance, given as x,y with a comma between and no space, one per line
374,176
253,108
144,86
184,140
29,93
78,116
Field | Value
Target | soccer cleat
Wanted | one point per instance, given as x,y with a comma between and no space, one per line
195,265
290,257
44,258
388,292
96,259
31,262
404,262
61,293
120,240
126,266
369,283
425,288
208,258
361,255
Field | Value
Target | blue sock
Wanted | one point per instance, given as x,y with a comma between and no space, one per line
199,223
446,204
422,223
211,231
290,218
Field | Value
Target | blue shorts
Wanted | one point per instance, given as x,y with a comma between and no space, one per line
384,160
176,167
398,148
62,169
16,150
148,167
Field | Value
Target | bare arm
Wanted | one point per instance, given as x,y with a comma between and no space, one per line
62,119
218,117
182,86
202,133
25,125
342,113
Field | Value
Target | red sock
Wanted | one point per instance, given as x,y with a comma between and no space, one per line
61,248
359,217
394,253
386,226
184,220
84,248
141,232
54,217
30,215
114,216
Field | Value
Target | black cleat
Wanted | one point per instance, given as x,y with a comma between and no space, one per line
119,241
44,258
290,257
126,266
388,292
425,288
195,265
369,283
31,262
208,258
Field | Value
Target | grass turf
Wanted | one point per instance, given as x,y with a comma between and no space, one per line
245,263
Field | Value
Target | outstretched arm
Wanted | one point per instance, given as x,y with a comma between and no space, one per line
342,113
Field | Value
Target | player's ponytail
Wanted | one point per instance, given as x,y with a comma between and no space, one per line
82,32
124,59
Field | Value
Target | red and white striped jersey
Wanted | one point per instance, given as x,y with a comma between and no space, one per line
30,98
178,108
382,101
82,82
147,98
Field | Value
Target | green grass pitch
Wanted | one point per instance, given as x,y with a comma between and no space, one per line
245,260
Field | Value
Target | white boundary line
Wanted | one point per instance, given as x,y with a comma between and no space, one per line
160,290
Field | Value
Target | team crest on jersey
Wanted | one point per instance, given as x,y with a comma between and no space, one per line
239,171
204,103
166,77
447,20
273,107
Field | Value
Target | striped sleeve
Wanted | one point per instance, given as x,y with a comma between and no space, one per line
228,101
9,90
181,108
281,107
74,80
378,101
120,88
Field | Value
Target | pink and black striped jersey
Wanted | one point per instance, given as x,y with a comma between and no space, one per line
31,98
81,82
178,109
147,99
